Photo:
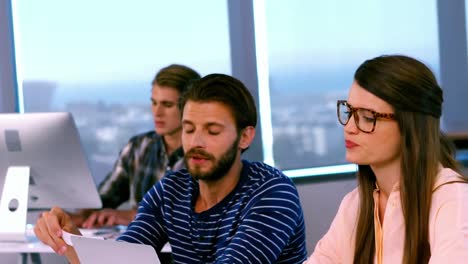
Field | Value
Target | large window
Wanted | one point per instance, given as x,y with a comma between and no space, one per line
97,59
314,48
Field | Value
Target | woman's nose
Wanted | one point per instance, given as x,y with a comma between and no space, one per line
351,126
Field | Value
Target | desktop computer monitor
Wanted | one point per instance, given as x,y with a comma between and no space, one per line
49,144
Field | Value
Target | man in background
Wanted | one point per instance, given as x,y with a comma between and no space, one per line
147,157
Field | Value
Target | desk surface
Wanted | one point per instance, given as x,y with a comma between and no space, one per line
24,247
33,245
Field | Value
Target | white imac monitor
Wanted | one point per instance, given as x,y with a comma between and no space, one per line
42,165
49,145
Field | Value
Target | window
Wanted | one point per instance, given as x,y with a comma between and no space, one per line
97,59
314,48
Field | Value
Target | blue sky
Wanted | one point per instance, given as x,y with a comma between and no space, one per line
99,41
111,40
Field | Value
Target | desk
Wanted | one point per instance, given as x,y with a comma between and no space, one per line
24,247
33,247
26,250
30,248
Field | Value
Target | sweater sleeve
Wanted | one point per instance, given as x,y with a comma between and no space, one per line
273,222
148,225
114,189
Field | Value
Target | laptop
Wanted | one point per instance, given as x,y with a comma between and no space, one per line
92,250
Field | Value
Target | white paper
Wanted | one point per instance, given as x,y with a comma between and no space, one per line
67,237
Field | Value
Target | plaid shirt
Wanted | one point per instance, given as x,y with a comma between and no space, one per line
142,162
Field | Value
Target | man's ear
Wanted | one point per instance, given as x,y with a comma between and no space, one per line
246,137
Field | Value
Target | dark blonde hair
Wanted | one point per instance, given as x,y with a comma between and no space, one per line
175,76
411,88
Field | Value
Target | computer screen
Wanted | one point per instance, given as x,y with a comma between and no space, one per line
49,144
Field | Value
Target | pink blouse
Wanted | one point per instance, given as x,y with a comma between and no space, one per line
448,227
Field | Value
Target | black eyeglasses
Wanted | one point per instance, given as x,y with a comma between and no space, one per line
365,119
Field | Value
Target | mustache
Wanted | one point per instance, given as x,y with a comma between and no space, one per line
199,153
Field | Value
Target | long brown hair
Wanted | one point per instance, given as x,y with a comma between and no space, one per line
412,90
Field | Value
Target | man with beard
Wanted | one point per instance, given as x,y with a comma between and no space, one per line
221,209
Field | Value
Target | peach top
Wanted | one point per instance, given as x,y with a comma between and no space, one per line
448,226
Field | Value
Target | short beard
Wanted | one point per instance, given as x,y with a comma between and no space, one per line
220,168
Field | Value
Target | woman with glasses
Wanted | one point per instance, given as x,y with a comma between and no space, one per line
411,203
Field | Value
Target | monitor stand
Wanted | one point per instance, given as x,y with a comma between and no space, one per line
14,204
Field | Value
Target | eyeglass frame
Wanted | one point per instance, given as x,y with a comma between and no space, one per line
353,112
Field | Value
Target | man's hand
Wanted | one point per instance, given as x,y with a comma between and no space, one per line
49,228
80,216
109,217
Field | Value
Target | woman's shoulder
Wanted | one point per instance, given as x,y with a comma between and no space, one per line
352,196
449,186
448,177
350,203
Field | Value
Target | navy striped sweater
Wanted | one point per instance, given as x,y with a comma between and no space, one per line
260,221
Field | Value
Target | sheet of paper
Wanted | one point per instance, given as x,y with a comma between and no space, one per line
66,236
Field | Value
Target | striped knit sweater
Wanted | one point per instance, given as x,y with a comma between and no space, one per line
260,221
